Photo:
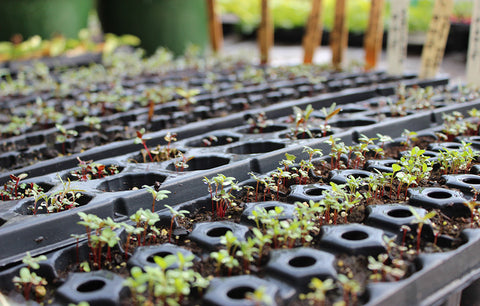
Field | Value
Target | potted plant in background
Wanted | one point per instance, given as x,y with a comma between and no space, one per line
43,17
169,23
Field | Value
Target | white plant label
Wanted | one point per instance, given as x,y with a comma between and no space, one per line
397,36
434,47
473,57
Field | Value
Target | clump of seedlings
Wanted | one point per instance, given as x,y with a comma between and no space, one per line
64,135
301,119
164,285
28,281
90,170
220,188
157,194
257,123
15,190
159,153
187,98
100,232
61,200
457,161
329,113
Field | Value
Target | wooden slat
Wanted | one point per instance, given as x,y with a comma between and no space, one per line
214,26
397,41
473,57
339,34
265,33
374,35
434,47
313,33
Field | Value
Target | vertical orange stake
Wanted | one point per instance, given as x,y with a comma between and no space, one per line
214,26
374,34
313,33
265,33
339,35
434,47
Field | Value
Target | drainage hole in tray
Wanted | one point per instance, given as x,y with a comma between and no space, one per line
315,191
471,180
355,235
399,213
439,195
218,231
159,254
302,261
90,286
239,293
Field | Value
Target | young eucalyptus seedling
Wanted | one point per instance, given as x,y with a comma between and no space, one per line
28,280
140,139
319,288
157,194
420,221
64,135
175,214
329,113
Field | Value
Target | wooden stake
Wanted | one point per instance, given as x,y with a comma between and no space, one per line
313,33
434,47
339,34
214,26
397,41
473,57
374,35
265,33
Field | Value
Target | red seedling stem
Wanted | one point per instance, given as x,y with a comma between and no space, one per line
127,245
419,234
139,135
171,229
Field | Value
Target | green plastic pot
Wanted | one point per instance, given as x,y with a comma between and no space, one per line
43,17
168,23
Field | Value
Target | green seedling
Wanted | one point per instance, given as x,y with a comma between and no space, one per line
162,285
175,214
329,113
28,280
259,296
247,250
420,221
182,163
336,151
472,205
145,219
90,170
61,200
319,288
140,139
14,190
188,97
258,123
100,233
223,258
384,272
221,196
409,136
351,289
157,194
131,231
93,122
64,135
301,118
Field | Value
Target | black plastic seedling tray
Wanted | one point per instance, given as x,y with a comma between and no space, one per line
438,278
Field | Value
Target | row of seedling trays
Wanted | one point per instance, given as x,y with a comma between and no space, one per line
255,214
